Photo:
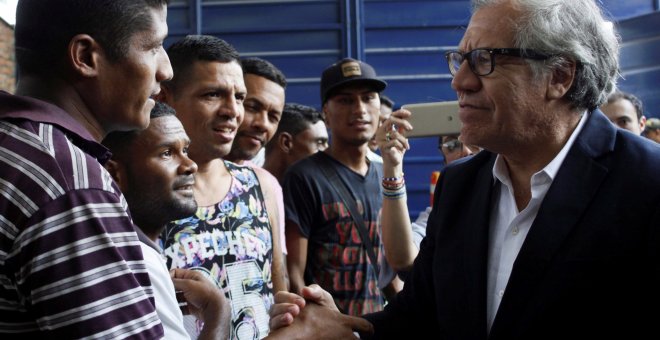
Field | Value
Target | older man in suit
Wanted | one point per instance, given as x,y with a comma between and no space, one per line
540,236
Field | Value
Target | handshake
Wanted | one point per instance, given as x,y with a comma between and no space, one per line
313,315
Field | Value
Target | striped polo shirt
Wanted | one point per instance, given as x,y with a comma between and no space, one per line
70,261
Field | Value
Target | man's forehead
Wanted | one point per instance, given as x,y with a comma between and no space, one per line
355,89
166,125
157,30
619,107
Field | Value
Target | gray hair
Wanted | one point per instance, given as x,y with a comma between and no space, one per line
571,31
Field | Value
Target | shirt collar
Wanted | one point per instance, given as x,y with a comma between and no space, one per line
501,172
35,110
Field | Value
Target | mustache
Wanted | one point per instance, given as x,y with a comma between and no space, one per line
185,180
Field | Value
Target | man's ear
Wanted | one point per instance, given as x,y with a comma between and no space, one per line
561,79
326,115
84,55
118,173
285,142
642,123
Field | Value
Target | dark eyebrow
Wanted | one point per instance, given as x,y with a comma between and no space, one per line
172,142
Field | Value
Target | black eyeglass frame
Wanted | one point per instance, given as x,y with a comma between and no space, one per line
512,52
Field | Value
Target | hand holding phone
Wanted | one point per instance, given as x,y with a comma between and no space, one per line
433,119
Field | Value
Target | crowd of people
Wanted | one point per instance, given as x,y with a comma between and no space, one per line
151,193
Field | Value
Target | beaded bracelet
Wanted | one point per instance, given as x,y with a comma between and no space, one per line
394,194
393,179
393,185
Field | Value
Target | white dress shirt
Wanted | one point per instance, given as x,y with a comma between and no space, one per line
509,227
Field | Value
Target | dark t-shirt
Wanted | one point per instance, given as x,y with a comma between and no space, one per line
336,257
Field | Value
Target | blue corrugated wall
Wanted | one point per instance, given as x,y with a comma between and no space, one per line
403,39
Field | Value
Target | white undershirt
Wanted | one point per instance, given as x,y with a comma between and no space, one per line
509,227
167,306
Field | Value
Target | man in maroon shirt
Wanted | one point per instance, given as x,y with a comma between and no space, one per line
70,260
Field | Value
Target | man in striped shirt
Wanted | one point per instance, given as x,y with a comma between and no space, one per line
70,260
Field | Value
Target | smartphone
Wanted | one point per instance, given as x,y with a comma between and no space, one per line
433,119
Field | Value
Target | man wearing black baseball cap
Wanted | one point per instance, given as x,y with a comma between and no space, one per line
324,246
349,72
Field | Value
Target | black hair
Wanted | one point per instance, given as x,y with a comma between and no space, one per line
263,68
192,48
297,117
619,95
385,100
44,29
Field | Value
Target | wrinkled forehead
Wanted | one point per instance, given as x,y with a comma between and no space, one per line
491,26
166,127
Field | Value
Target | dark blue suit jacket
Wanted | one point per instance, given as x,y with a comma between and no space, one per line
589,267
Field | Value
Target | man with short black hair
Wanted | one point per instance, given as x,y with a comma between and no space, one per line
301,133
625,111
233,237
71,262
154,172
263,106
319,232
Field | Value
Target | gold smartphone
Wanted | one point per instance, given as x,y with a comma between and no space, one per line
433,119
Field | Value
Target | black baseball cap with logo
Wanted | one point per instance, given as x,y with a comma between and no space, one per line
348,72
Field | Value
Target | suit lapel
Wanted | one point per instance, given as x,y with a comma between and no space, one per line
459,226
571,192
476,253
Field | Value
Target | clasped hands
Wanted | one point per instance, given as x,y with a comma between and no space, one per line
313,315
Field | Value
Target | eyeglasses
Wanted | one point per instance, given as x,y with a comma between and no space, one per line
482,60
456,144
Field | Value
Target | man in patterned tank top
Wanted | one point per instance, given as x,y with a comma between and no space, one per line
232,237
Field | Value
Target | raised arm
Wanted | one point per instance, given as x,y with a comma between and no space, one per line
400,249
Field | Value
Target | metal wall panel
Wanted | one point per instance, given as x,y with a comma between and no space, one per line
301,37
620,10
640,60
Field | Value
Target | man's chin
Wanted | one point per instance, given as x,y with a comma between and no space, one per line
183,209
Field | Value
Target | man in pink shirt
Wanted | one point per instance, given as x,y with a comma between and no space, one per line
263,105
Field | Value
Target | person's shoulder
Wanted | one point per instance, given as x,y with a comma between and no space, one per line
267,180
638,154
310,163
55,161
262,174
306,172
639,145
